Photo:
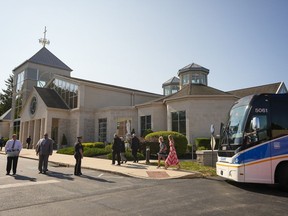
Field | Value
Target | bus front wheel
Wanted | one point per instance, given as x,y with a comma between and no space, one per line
283,177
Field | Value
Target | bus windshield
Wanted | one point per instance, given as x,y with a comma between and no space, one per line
232,133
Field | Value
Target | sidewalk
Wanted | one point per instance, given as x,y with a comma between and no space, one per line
137,170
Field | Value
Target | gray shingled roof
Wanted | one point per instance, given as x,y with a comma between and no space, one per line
51,98
6,115
45,57
193,67
173,80
197,89
269,88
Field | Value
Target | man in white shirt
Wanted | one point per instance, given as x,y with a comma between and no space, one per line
12,150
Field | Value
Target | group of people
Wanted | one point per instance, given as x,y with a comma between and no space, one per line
118,151
44,148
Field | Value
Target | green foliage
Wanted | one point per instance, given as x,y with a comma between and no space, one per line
129,156
204,143
179,139
94,145
91,152
193,166
68,151
6,96
146,132
189,147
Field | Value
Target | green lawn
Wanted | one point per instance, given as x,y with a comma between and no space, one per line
193,166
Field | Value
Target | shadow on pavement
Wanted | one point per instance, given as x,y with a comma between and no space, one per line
96,179
59,175
134,166
24,178
267,189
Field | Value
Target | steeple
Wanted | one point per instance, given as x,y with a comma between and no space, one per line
44,41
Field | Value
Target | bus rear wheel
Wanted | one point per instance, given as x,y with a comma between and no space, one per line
283,177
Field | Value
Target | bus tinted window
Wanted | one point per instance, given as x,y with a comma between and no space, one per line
279,117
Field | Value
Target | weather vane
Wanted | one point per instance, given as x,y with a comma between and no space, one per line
44,41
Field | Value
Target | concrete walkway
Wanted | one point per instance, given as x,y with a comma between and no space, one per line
138,170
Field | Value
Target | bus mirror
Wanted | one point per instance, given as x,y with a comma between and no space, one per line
255,123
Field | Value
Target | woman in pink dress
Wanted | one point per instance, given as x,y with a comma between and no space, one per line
172,159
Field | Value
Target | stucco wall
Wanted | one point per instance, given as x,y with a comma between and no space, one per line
200,114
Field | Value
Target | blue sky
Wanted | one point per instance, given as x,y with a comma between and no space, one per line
141,44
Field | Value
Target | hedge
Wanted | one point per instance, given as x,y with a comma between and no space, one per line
179,139
204,143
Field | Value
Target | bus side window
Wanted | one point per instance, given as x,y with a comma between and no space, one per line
279,118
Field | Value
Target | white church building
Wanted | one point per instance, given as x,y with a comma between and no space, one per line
46,98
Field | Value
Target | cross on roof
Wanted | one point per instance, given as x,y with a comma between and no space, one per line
44,41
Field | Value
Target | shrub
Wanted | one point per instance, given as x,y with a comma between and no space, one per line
128,155
92,152
189,148
146,132
204,143
88,151
94,145
179,139
68,151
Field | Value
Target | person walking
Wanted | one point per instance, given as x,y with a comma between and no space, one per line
122,151
12,150
135,146
162,150
28,141
116,149
78,155
172,158
44,148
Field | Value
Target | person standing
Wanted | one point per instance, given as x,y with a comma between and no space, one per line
12,149
44,148
28,141
1,143
162,150
116,149
78,155
122,151
135,146
172,158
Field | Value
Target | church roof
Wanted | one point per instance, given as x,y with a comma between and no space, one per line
51,98
45,57
193,67
269,88
197,89
6,115
173,80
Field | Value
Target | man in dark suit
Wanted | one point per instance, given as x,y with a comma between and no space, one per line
44,148
116,147
135,146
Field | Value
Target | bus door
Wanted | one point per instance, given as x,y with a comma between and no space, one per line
257,153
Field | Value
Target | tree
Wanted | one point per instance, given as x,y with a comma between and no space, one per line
6,96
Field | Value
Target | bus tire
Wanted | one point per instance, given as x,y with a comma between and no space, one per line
283,177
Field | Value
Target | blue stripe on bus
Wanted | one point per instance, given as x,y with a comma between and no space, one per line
266,150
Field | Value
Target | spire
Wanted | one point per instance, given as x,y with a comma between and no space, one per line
44,41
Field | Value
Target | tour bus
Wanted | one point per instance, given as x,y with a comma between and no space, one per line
254,142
